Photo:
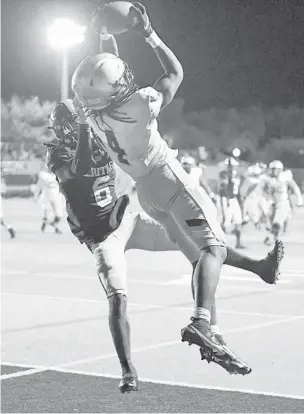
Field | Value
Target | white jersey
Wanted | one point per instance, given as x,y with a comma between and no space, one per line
130,134
195,175
249,185
275,187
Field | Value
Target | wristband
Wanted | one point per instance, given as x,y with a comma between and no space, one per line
153,40
103,34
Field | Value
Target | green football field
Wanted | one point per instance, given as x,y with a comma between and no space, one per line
57,354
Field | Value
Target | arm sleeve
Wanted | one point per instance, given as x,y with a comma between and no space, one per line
82,159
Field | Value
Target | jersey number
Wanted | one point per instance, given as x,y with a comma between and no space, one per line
113,144
103,196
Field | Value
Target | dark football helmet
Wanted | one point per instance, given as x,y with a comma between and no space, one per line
63,121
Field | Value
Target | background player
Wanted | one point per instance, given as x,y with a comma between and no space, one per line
196,174
48,196
229,186
276,188
124,118
8,227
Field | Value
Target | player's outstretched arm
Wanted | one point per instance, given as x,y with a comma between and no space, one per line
82,160
107,42
170,81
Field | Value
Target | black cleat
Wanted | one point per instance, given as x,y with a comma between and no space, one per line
12,232
269,271
202,337
229,361
128,383
43,226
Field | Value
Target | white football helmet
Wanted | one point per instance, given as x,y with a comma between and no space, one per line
187,159
276,164
101,80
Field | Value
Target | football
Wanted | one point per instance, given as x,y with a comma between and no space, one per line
113,16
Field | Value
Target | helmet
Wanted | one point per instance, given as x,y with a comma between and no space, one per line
187,159
101,80
63,122
276,164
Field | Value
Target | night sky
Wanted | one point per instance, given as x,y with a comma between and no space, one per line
234,52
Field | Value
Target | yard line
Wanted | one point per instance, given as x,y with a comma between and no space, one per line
148,305
136,350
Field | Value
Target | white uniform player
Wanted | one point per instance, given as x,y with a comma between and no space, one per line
196,174
48,195
124,117
255,206
165,190
275,186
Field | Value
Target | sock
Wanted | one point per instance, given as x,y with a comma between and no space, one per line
202,313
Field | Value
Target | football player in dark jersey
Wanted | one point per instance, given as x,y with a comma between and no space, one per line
96,216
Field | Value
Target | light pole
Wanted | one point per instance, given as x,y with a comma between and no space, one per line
63,34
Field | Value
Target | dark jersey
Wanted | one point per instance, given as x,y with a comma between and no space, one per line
229,187
90,198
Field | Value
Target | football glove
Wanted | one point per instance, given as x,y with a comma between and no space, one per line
141,22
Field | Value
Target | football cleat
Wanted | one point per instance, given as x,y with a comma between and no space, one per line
43,225
12,232
128,383
229,361
269,271
202,337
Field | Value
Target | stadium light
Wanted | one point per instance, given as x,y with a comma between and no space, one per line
62,35
236,152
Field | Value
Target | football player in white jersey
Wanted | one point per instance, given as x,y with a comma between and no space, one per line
255,206
276,186
196,174
48,196
293,190
123,116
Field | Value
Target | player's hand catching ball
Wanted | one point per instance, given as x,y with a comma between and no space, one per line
119,17
141,22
